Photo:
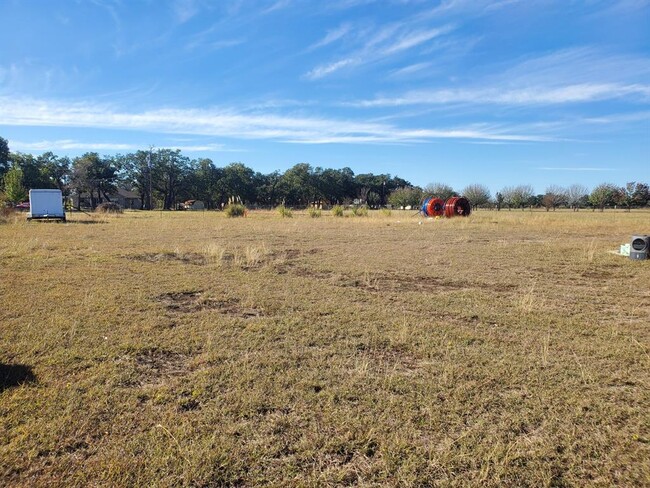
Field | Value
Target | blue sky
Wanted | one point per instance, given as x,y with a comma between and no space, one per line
498,92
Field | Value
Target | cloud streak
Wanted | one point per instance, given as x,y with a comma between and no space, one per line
569,76
71,144
229,123
388,41
569,168
585,92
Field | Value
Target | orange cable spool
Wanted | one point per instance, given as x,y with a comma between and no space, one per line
435,207
457,206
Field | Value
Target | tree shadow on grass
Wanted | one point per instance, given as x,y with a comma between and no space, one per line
14,375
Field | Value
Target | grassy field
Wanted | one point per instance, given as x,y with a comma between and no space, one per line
188,349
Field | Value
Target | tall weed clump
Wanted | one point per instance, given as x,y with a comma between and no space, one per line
235,210
337,211
314,213
7,214
284,211
361,211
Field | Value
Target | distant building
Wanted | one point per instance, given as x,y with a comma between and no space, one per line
194,205
124,198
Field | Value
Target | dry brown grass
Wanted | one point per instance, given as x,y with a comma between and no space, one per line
188,349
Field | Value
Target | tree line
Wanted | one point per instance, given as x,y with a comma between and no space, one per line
164,177
576,196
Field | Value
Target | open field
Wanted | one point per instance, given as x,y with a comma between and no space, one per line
188,349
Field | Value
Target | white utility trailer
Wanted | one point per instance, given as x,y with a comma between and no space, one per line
46,204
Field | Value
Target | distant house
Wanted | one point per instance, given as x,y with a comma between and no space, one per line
127,199
194,205
124,198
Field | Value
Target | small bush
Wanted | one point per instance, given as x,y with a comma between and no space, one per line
109,207
235,210
386,212
7,214
360,211
314,213
337,211
284,211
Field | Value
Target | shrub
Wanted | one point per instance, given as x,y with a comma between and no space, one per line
109,207
284,211
314,212
235,210
360,211
337,211
386,212
7,214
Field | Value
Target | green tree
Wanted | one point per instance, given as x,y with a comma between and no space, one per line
169,169
238,181
5,161
603,195
54,171
405,197
521,196
135,173
33,176
297,185
634,194
267,188
440,190
95,176
641,194
14,190
204,178
499,199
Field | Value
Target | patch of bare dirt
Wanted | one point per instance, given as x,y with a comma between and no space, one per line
187,258
194,301
157,363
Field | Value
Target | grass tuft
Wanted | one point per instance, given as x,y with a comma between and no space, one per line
235,210
361,211
284,212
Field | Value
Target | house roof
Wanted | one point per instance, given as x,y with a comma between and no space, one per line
127,194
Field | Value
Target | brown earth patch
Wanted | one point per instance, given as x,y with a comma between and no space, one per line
188,258
194,301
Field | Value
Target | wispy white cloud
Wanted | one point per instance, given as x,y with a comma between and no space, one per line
230,123
410,69
538,95
378,45
412,39
326,69
568,76
573,168
332,36
278,5
72,145
184,10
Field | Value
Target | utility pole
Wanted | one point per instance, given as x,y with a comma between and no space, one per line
149,170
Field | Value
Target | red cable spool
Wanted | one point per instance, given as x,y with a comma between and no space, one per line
457,206
435,207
